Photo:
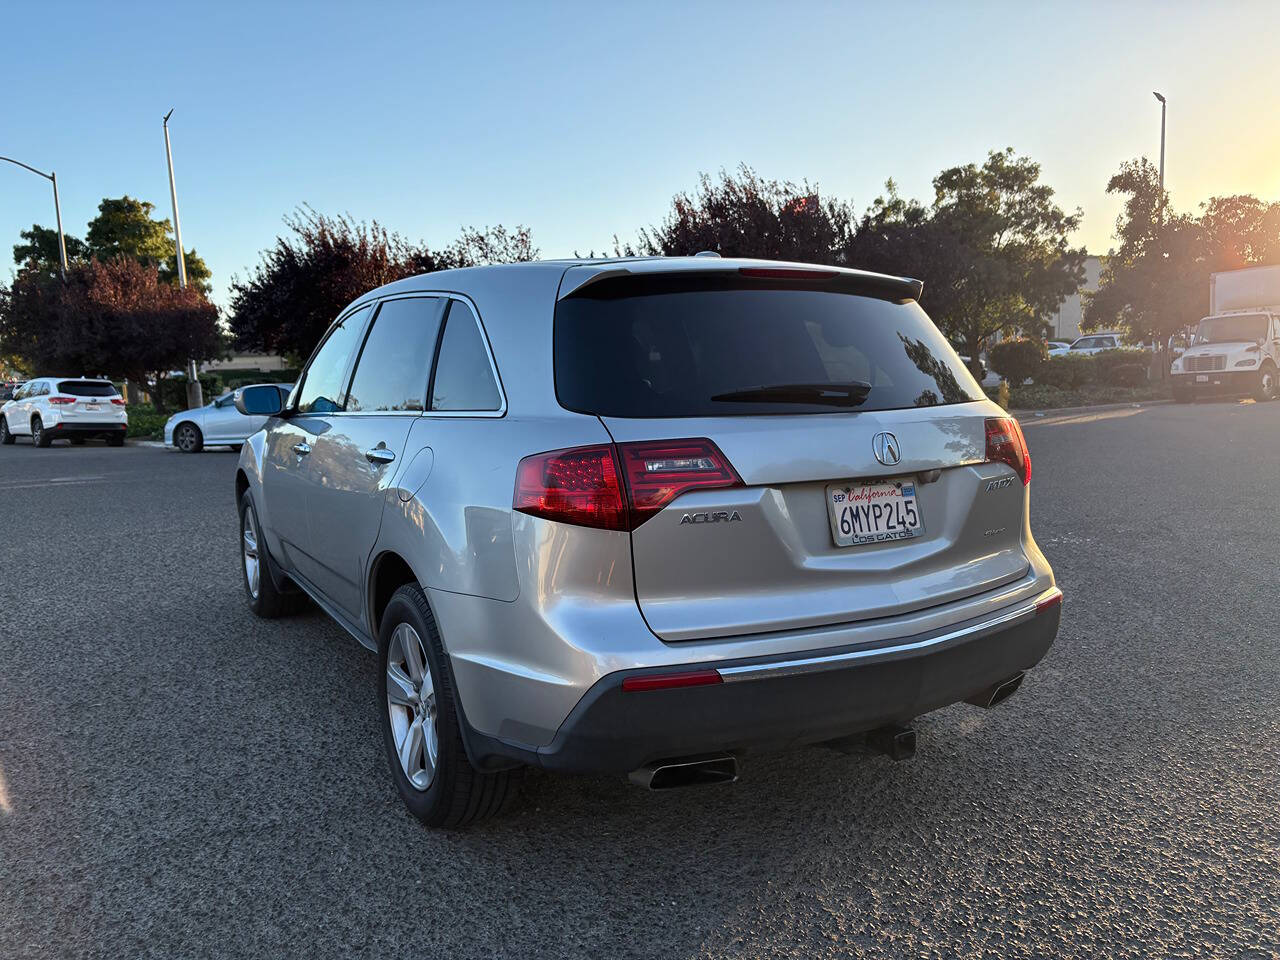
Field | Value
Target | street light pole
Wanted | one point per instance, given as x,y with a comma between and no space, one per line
57,210
195,394
1163,107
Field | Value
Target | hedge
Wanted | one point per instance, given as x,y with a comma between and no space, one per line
1018,360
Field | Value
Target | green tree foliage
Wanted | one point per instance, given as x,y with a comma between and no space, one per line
39,250
744,215
116,318
1156,280
992,249
124,226
324,263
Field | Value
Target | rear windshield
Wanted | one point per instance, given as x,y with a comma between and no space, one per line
675,346
87,388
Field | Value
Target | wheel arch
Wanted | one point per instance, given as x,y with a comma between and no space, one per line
388,572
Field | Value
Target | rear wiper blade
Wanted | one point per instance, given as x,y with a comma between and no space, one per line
850,393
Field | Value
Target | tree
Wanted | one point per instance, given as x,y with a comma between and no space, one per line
1156,280
992,249
743,215
325,262
116,318
124,226
39,250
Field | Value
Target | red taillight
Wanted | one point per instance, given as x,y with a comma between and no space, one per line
578,486
118,401
667,681
786,273
658,471
583,485
62,399
1006,444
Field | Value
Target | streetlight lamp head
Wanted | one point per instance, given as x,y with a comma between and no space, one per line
1158,96
170,113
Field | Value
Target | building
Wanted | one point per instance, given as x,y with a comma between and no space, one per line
1066,323
265,362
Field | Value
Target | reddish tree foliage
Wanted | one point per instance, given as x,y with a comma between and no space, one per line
305,280
115,318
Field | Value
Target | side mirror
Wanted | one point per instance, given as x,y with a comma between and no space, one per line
261,401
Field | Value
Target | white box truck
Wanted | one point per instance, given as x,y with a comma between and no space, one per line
1236,349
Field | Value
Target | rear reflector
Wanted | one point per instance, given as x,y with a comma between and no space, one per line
1006,444
617,488
786,273
1048,603
667,681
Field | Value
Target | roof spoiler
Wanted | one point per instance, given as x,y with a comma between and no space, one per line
879,285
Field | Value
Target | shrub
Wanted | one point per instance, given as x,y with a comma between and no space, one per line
1105,361
1018,360
174,390
1068,372
145,423
1127,375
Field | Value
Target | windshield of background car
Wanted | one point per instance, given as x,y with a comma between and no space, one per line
1242,328
668,345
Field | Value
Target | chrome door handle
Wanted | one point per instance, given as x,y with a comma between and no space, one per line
302,449
379,455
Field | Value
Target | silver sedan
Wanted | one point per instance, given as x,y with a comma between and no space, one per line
215,424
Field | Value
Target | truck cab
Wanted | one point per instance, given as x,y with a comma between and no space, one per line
1231,354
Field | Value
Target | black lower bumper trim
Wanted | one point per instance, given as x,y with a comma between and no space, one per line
612,730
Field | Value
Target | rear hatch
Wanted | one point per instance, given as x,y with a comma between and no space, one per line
88,401
857,438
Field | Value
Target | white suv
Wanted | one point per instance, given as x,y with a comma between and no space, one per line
51,407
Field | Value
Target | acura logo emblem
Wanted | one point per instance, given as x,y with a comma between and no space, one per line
885,447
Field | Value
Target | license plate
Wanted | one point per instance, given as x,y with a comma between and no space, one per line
91,406
874,511
1202,378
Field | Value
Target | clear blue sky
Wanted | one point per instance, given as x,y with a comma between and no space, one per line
581,120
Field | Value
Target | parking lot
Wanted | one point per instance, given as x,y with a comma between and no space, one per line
180,779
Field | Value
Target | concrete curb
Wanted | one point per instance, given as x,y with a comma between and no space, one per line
1095,408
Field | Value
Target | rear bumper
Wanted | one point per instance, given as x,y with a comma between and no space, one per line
782,701
1217,383
78,428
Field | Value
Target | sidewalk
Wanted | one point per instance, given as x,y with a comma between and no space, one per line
1033,415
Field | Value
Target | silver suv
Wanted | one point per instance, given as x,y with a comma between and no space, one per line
645,516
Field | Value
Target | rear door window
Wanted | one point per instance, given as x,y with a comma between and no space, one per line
703,346
324,383
395,363
464,380
86,388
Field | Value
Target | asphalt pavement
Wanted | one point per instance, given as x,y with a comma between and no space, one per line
178,779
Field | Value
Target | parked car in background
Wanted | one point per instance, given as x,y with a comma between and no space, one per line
1095,343
1057,348
645,516
215,424
7,390
53,408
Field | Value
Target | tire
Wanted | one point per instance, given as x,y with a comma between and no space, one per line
1265,387
40,437
5,436
187,437
452,793
259,589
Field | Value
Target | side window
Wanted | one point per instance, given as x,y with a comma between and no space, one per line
1084,344
464,378
392,371
324,382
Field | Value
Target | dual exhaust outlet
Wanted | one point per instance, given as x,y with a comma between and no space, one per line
894,742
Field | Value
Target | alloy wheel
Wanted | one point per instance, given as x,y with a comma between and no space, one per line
411,704
186,438
249,549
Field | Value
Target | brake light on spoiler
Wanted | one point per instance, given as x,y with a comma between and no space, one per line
617,486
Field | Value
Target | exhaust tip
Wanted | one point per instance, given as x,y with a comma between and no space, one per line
687,772
999,693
